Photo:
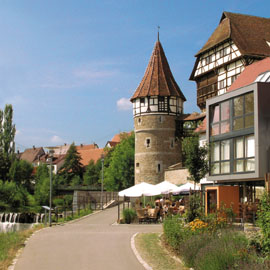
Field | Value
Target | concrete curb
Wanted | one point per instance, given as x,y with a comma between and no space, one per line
136,253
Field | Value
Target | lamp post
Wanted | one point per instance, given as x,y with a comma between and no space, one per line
50,159
102,179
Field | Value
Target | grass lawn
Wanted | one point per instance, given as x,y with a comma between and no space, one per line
10,243
154,253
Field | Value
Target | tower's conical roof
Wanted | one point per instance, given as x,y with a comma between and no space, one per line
158,79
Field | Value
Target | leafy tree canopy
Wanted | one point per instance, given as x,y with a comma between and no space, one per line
72,166
92,173
120,172
7,144
196,158
20,172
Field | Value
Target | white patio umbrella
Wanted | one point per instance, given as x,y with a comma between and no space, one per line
166,187
185,188
142,189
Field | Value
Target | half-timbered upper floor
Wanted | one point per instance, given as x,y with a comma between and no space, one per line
233,45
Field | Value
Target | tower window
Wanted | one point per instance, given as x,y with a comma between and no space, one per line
137,164
162,104
139,121
158,168
148,142
172,143
142,100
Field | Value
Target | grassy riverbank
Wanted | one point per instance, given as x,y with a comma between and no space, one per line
155,254
10,243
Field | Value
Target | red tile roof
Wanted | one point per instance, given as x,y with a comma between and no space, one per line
90,154
158,79
250,74
117,137
86,146
202,127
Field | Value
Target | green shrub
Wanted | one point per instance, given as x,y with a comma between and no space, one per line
190,247
195,208
129,215
264,222
222,251
174,231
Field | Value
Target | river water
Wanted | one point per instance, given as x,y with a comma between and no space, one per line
14,227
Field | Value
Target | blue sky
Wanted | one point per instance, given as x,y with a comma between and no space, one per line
70,67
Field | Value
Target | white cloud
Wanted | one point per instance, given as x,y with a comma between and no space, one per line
124,104
56,139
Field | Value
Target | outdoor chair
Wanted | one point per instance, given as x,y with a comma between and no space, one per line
142,215
153,215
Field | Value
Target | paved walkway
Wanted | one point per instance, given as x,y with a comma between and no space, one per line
91,243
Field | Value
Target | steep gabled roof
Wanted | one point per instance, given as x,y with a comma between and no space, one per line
32,154
249,33
158,79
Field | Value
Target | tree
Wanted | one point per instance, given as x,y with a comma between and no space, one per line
195,158
72,166
12,196
92,173
7,144
20,172
120,172
196,161
42,186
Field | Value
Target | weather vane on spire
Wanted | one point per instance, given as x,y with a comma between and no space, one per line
158,32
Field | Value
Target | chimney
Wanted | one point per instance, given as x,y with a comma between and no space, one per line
34,147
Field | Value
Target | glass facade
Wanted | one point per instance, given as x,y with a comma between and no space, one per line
232,135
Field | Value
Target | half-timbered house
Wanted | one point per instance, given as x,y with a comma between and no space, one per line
238,41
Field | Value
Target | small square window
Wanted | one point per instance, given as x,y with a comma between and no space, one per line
137,165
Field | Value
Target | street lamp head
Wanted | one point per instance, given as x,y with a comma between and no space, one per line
102,157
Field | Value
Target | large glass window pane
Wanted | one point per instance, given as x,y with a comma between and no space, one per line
225,167
214,114
225,110
250,164
238,106
249,103
215,152
215,168
225,150
238,123
239,166
250,146
215,130
249,121
224,127
239,148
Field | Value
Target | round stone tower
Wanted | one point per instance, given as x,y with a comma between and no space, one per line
157,105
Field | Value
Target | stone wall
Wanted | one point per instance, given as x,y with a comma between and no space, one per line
177,176
156,147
